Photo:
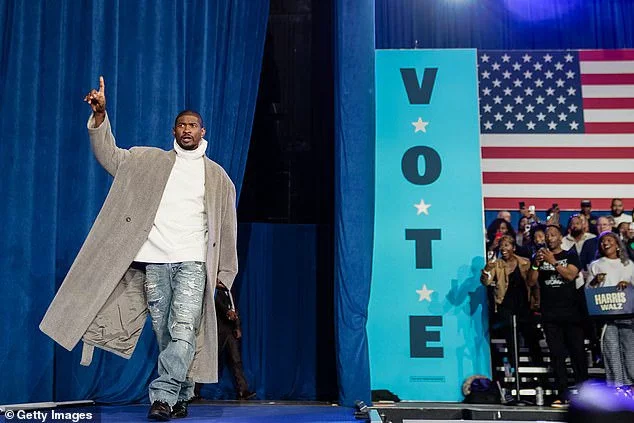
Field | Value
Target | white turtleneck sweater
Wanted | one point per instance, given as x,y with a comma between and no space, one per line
179,232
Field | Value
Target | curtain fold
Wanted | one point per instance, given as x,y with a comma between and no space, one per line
354,193
157,57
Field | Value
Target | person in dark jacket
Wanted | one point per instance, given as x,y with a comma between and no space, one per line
229,335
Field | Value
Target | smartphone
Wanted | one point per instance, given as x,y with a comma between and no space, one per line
527,228
555,205
531,208
522,205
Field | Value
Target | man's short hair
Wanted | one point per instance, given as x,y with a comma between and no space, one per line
190,113
556,227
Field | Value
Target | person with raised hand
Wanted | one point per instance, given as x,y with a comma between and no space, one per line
166,234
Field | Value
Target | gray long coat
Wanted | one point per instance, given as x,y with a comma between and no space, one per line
102,300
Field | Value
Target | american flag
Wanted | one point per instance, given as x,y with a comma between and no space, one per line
557,127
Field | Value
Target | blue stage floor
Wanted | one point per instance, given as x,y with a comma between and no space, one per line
233,413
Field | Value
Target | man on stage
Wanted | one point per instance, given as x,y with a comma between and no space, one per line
166,233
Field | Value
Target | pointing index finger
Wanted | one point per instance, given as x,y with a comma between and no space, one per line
102,85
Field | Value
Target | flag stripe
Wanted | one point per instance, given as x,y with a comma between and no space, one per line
622,115
607,91
610,128
605,55
556,165
561,178
554,190
607,79
512,203
557,140
620,66
557,153
608,103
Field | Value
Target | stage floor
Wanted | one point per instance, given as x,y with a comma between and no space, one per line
428,412
208,411
309,412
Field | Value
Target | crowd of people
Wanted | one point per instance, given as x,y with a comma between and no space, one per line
540,275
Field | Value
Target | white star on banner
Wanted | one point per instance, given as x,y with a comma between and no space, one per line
548,58
422,207
420,125
424,293
568,58
552,125
488,125
574,125
530,125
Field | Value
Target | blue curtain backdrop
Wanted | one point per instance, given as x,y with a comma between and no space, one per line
484,24
157,57
354,193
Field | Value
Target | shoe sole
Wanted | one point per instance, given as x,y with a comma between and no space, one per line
158,418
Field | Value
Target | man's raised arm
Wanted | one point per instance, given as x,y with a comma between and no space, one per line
101,138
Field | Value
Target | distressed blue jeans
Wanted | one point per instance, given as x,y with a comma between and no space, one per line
174,294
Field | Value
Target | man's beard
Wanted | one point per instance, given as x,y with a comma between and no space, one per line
576,232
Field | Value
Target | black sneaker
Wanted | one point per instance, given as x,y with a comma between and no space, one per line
159,411
180,409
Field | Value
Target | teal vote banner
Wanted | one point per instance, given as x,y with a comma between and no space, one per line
428,320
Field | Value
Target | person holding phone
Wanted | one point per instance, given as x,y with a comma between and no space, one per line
554,270
614,268
512,296
498,228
